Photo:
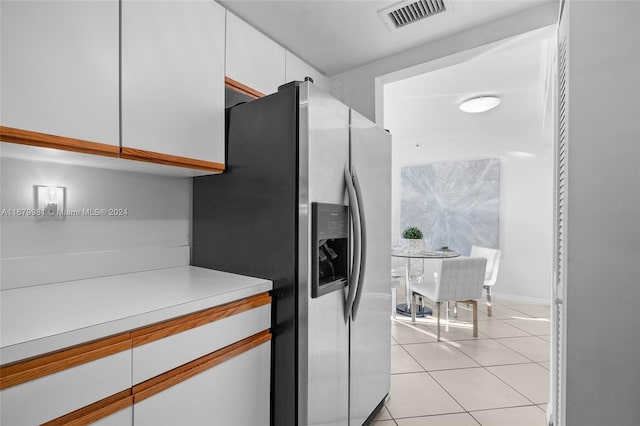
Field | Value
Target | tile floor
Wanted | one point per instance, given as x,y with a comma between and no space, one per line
500,378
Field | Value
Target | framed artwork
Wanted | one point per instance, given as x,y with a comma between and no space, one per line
455,204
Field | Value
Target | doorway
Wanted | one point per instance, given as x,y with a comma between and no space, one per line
420,108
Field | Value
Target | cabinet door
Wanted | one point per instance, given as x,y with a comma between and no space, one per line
54,395
297,69
173,81
59,67
233,393
253,59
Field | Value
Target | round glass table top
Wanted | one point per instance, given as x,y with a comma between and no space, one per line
425,254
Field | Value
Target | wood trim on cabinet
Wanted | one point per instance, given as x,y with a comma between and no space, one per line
44,140
26,370
177,325
96,411
177,375
34,368
121,400
170,160
242,88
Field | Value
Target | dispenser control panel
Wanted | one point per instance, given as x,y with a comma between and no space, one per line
330,248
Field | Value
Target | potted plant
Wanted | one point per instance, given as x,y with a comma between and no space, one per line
412,238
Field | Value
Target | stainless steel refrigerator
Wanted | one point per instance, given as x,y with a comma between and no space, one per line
306,202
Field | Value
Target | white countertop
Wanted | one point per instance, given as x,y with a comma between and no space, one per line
41,319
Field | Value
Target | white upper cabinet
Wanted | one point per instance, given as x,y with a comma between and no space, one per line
252,58
173,82
59,67
297,69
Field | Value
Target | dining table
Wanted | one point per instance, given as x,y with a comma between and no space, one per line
405,308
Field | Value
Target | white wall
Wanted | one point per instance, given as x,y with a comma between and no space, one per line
153,233
526,205
526,196
603,264
526,201
357,88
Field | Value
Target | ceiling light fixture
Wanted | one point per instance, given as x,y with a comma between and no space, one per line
480,104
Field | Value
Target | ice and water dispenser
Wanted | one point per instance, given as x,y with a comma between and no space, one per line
330,248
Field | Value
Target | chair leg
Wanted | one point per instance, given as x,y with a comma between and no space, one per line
394,300
488,301
446,312
474,303
455,309
413,308
438,314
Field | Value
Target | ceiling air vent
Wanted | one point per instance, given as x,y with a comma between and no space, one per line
402,14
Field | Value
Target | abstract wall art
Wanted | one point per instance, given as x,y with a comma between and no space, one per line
456,204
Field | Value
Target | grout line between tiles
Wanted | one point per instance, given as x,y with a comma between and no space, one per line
503,381
494,409
402,345
503,408
518,352
431,415
448,393
528,332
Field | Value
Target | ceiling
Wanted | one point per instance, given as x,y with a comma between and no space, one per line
339,35
425,107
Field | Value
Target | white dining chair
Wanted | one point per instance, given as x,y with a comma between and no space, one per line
493,263
397,276
459,279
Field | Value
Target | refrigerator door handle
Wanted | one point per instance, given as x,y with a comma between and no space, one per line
354,278
363,246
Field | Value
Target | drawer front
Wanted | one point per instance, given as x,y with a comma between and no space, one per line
235,392
54,395
123,417
154,358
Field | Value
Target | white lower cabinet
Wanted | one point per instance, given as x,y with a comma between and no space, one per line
210,367
51,396
123,417
154,358
233,393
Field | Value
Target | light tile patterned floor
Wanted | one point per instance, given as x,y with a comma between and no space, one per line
499,378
